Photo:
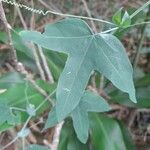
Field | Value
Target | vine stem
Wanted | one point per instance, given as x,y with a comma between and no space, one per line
139,48
140,9
45,65
141,41
39,11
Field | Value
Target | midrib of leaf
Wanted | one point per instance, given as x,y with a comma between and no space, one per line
69,37
105,134
78,71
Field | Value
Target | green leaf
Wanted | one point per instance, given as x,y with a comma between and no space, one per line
117,17
127,137
10,79
142,95
68,139
92,102
126,20
81,124
56,62
24,53
64,136
142,88
17,42
106,134
37,147
7,114
122,18
52,119
143,82
87,52
15,101
140,17
89,103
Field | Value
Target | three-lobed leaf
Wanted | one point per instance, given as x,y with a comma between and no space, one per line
86,52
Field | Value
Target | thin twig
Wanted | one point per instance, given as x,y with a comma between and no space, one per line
45,65
21,17
89,14
40,53
37,60
48,6
32,20
13,54
55,143
141,41
22,70
139,48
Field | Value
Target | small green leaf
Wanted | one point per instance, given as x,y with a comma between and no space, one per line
117,17
126,20
122,18
52,119
7,114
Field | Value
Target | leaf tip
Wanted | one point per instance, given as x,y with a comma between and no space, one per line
133,97
23,34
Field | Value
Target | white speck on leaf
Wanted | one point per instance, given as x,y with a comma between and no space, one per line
66,89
